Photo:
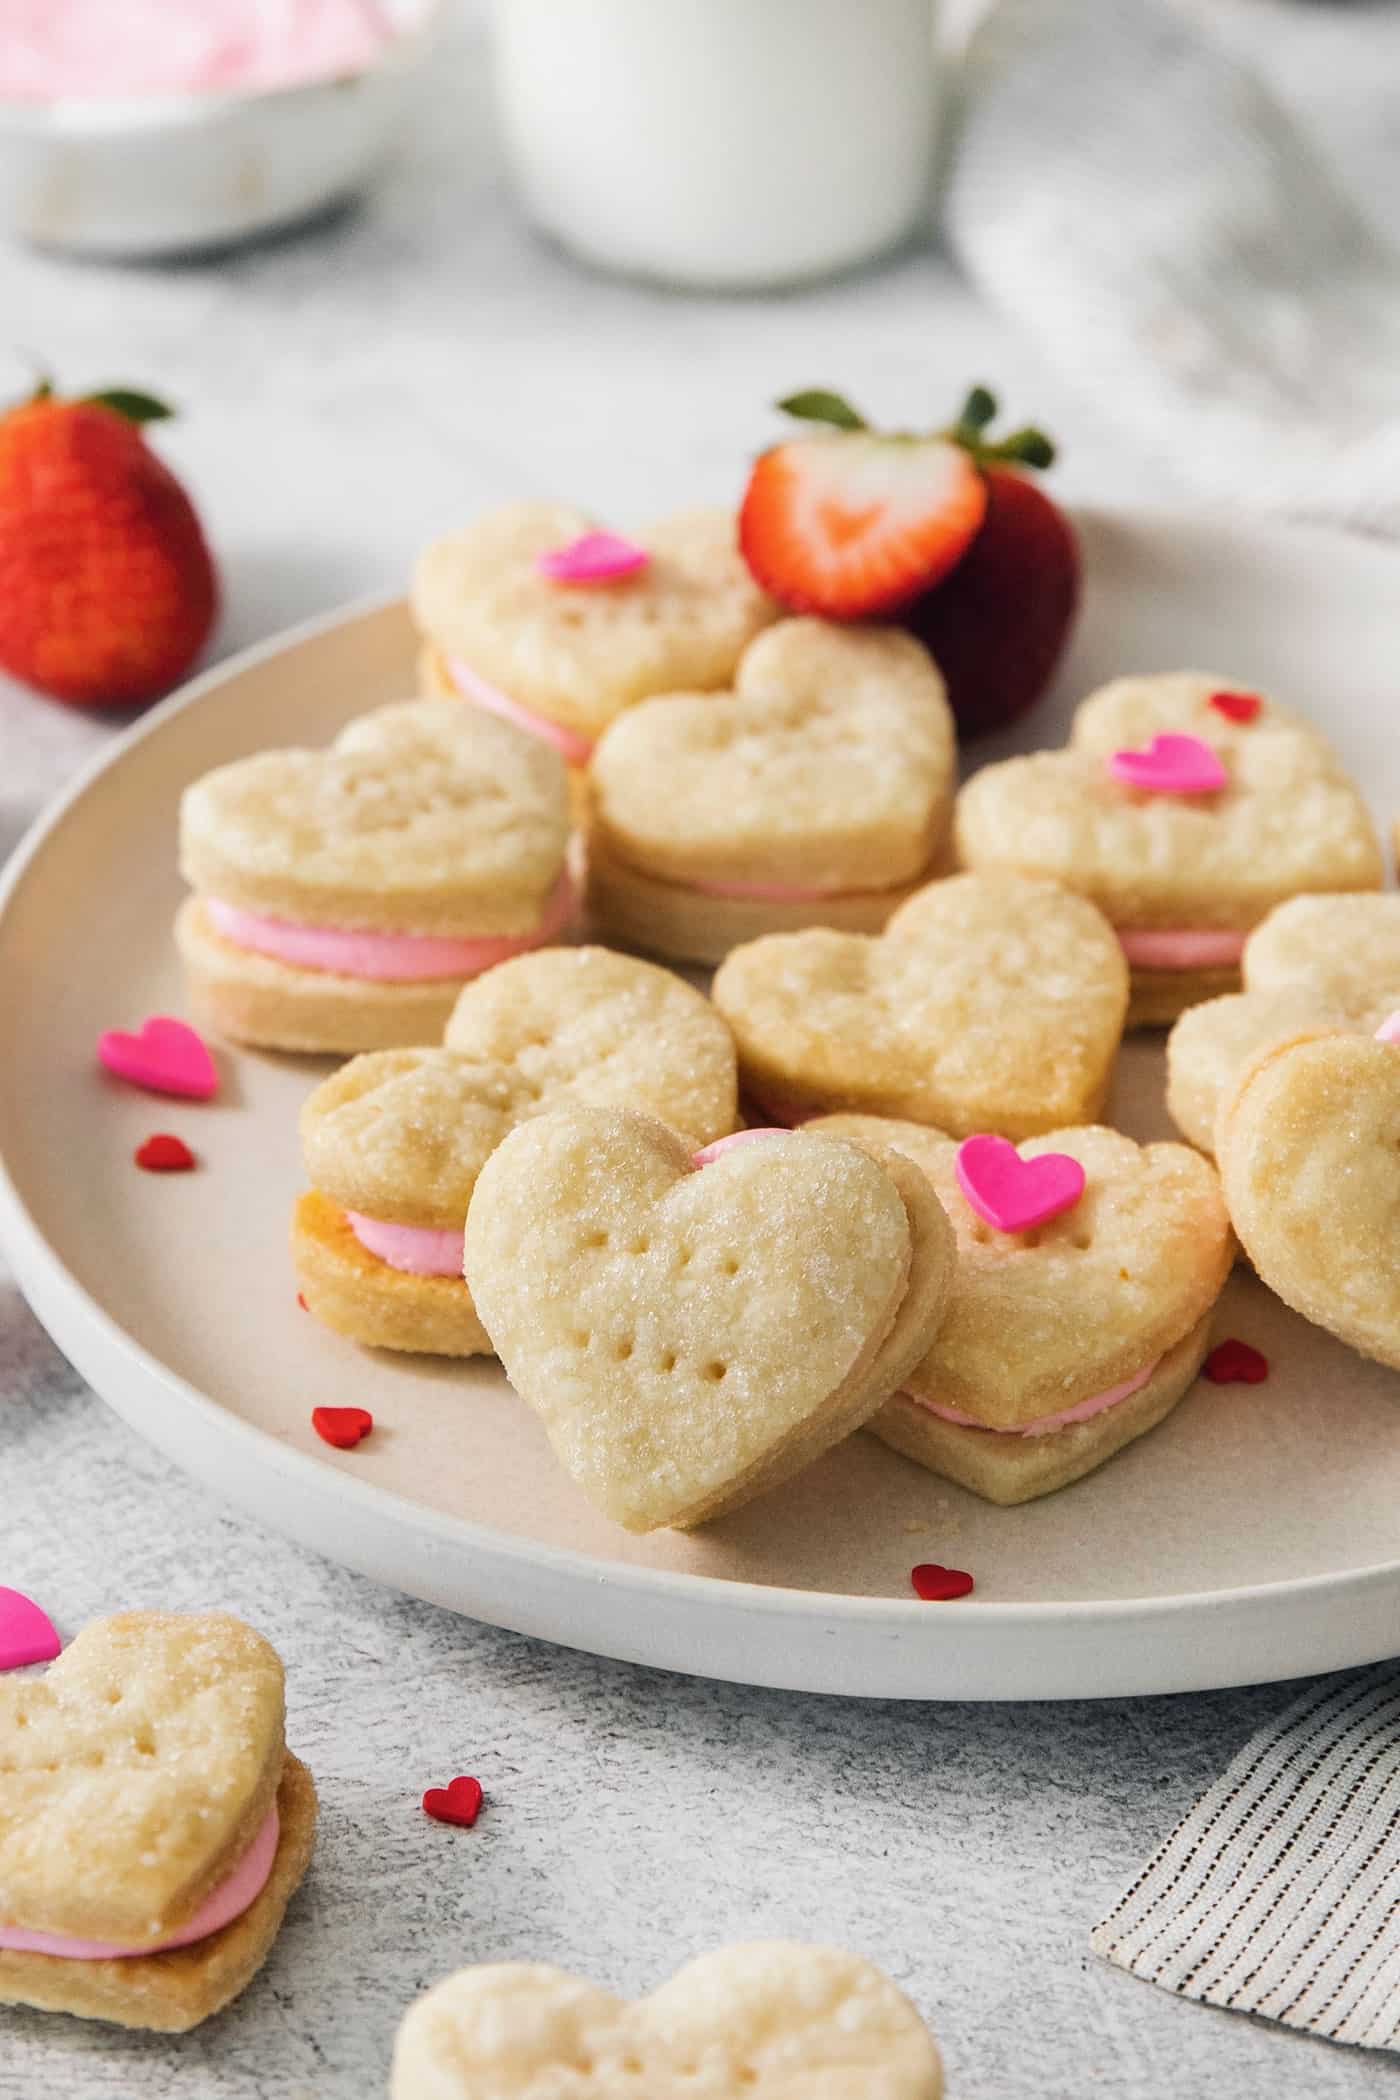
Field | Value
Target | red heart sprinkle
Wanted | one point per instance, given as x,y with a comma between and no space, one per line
1235,1363
341,1426
939,1585
302,1303
460,1802
1237,707
163,1154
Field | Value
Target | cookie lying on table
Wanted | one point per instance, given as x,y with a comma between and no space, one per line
1309,1150
990,1002
1186,811
344,897
817,793
774,2021
536,614
1087,1269
1315,963
692,1327
394,1141
153,1824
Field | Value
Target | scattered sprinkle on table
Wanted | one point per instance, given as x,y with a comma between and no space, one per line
342,1426
1236,1363
939,1585
458,1802
164,1154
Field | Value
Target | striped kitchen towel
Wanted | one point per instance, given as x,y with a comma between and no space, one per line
1279,1893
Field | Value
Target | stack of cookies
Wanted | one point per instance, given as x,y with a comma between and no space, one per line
548,1152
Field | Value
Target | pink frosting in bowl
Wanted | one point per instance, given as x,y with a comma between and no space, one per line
385,958
225,1903
1182,948
1046,1425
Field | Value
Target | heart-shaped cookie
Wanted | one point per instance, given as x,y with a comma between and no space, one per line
1315,963
576,653
990,1003
772,2021
1309,1151
344,896
395,1140
1187,860
148,1802
815,792
1068,1339
690,1336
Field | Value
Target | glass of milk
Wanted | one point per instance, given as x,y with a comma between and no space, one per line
721,144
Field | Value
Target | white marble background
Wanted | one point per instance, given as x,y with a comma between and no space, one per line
344,394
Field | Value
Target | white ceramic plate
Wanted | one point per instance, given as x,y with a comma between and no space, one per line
1255,1535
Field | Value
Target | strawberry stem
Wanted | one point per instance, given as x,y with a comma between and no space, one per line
131,405
1026,447
817,405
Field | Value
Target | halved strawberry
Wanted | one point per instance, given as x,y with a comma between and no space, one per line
850,522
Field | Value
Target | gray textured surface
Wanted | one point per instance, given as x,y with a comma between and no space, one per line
346,394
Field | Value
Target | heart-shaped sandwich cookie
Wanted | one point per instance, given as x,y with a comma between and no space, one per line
153,1825
816,793
1315,963
1065,1341
395,1140
343,897
1309,1150
692,1334
1185,821
990,1003
768,2021
513,619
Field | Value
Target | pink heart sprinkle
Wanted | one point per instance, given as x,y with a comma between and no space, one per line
165,1057
26,1633
1171,765
727,1144
597,557
1389,1031
1012,1193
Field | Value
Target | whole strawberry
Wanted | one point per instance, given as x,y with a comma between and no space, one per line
107,589
996,625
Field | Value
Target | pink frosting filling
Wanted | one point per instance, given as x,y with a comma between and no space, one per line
1083,1411
225,1903
574,749
727,1144
385,958
1182,949
415,1249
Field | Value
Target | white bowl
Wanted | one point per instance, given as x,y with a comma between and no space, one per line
161,175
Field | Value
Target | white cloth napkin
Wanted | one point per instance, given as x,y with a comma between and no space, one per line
1279,1893
1134,196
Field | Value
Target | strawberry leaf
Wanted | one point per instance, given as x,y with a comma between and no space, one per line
816,405
134,407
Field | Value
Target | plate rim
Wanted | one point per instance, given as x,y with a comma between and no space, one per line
41,1270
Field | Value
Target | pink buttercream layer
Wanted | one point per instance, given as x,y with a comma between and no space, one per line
727,1144
1084,1411
1389,1030
385,958
415,1249
54,49
1182,949
225,1903
574,749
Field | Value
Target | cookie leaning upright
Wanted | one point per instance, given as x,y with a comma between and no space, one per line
1186,811
153,1824
1309,1151
344,896
1080,1309
691,1328
990,1002
394,1141
1314,963
509,622
817,792
771,2020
